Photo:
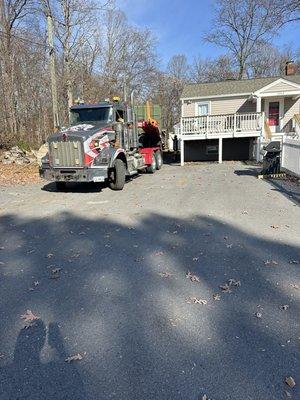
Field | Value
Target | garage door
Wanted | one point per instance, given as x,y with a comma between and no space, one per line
208,150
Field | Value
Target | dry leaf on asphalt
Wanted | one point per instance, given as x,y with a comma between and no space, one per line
192,277
216,296
49,255
76,357
271,262
284,307
225,288
233,282
290,381
29,318
295,286
275,226
165,274
195,300
55,273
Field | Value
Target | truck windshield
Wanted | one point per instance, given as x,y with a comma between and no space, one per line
101,114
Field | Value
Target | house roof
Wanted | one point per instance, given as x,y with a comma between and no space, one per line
246,86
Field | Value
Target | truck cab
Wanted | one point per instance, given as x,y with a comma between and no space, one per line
101,144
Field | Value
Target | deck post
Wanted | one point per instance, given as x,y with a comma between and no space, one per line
258,144
181,151
220,150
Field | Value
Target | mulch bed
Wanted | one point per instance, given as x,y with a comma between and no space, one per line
13,174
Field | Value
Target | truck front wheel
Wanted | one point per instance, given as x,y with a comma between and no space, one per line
117,175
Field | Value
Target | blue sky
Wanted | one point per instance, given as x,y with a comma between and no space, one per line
179,26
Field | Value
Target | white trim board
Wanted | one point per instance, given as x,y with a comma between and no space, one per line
217,96
280,80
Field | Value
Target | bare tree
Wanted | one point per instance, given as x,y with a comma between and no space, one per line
242,25
212,70
12,12
268,60
287,11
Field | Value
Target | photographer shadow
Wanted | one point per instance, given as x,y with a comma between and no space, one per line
28,378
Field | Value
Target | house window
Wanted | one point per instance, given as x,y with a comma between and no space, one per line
202,109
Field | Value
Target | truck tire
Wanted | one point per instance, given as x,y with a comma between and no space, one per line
151,168
117,175
158,159
60,186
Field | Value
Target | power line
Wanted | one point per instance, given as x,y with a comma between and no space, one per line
24,39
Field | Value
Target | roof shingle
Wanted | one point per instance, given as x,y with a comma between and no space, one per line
232,86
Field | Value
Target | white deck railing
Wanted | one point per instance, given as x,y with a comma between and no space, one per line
224,124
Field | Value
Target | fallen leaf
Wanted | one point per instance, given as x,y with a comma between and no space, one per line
30,251
294,261
55,273
233,282
258,315
295,286
275,226
229,246
195,300
165,274
76,357
216,296
290,381
49,255
195,258
174,321
29,318
284,307
225,288
271,262
192,277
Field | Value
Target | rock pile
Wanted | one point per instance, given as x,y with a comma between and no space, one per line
18,156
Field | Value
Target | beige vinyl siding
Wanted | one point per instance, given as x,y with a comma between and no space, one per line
231,106
291,107
220,106
188,110
280,87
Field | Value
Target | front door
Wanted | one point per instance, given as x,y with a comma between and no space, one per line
273,110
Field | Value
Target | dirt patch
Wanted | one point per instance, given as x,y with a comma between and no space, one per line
14,174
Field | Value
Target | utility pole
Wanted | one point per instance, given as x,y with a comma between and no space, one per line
52,69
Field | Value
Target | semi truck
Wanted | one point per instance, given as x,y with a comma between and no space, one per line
104,143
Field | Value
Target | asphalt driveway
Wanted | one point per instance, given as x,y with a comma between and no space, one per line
129,283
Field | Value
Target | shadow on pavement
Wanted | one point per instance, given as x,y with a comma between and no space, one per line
121,297
29,378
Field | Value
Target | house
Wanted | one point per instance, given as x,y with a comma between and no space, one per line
233,119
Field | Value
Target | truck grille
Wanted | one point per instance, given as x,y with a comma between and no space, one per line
66,154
